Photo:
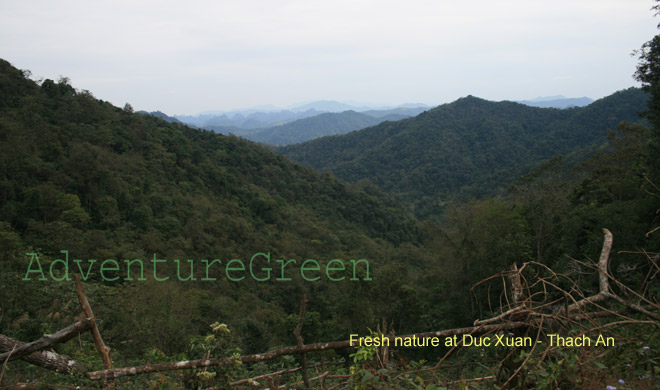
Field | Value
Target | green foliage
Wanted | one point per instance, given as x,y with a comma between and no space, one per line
365,354
631,364
214,345
648,73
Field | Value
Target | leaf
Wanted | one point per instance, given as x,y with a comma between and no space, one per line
367,377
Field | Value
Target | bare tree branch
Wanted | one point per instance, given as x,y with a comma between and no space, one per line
96,335
297,332
193,364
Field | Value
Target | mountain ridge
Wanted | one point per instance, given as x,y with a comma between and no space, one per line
558,101
470,146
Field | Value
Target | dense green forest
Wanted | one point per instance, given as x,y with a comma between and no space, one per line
513,184
468,148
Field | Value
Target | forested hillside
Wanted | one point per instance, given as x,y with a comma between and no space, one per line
101,182
471,147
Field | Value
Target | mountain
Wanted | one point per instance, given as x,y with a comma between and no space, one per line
326,105
547,98
161,115
471,147
314,127
317,126
260,127
403,111
557,102
413,105
409,109
392,117
262,117
248,119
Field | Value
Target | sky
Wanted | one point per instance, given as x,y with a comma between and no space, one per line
188,57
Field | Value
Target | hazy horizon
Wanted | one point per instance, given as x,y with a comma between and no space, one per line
363,105
224,56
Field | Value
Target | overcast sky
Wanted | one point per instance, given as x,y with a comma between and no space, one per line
186,57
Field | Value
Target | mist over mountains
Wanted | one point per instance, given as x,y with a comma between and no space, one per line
306,121
558,101
299,123
268,115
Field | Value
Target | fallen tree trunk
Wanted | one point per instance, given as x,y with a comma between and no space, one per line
44,359
194,364
47,340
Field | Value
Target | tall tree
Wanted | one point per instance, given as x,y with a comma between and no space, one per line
648,73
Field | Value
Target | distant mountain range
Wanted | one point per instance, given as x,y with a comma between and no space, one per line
557,101
329,123
161,115
247,119
303,122
471,147
268,115
300,123
328,106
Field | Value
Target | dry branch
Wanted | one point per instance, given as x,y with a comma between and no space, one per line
281,372
44,359
517,290
523,306
96,335
44,386
288,386
298,333
48,340
603,278
4,364
193,364
486,378
636,307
